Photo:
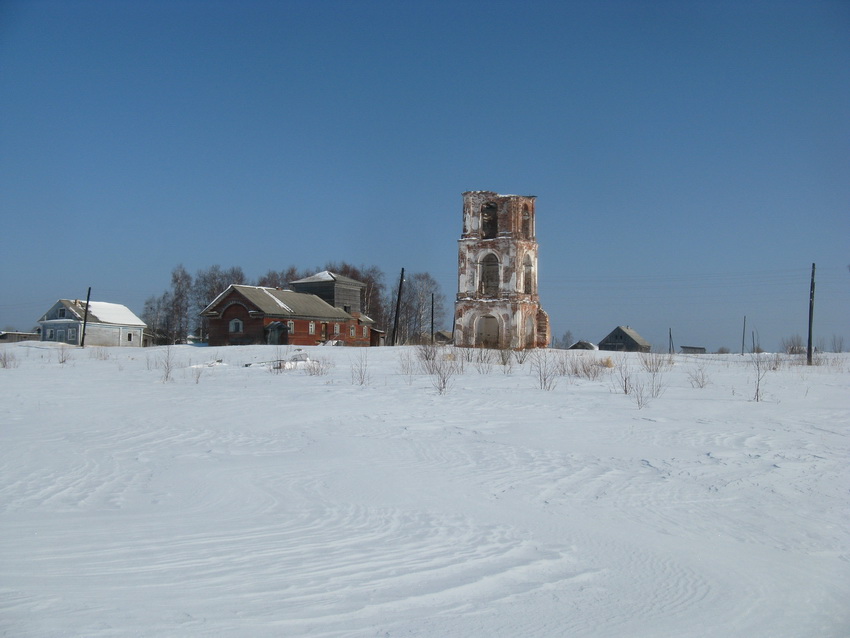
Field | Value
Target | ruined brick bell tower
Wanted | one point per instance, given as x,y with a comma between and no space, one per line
497,302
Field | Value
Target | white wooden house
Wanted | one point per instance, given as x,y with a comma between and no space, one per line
107,324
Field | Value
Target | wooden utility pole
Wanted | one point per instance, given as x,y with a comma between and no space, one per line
432,318
85,319
397,307
811,317
744,335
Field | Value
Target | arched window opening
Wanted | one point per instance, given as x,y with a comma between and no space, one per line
527,276
235,325
489,276
489,222
526,223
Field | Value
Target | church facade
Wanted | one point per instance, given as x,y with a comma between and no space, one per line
497,304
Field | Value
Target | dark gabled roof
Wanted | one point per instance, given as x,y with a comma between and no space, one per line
274,302
327,275
631,333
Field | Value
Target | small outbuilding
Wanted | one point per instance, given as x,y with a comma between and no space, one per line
624,339
693,349
106,324
12,336
583,345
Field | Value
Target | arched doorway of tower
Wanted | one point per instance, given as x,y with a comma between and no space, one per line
487,332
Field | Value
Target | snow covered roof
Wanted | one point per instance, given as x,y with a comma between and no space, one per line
274,302
99,312
327,275
105,312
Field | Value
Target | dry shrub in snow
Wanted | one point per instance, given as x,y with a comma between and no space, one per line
427,355
760,366
443,369
406,365
698,375
166,363
507,359
484,361
319,367
101,354
654,362
545,370
8,359
622,378
360,368
586,367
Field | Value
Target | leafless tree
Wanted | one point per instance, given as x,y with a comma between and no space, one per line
564,342
793,345
414,321
281,278
181,302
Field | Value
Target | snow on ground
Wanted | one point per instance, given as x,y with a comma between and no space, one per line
243,501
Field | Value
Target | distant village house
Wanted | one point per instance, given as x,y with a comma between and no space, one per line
624,339
106,324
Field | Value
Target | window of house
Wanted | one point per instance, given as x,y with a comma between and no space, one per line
61,313
336,329
352,331
129,336
365,331
312,328
291,326
236,325
72,334
50,334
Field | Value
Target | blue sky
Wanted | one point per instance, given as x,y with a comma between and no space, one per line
691,160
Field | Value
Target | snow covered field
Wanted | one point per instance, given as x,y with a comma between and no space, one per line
240,501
